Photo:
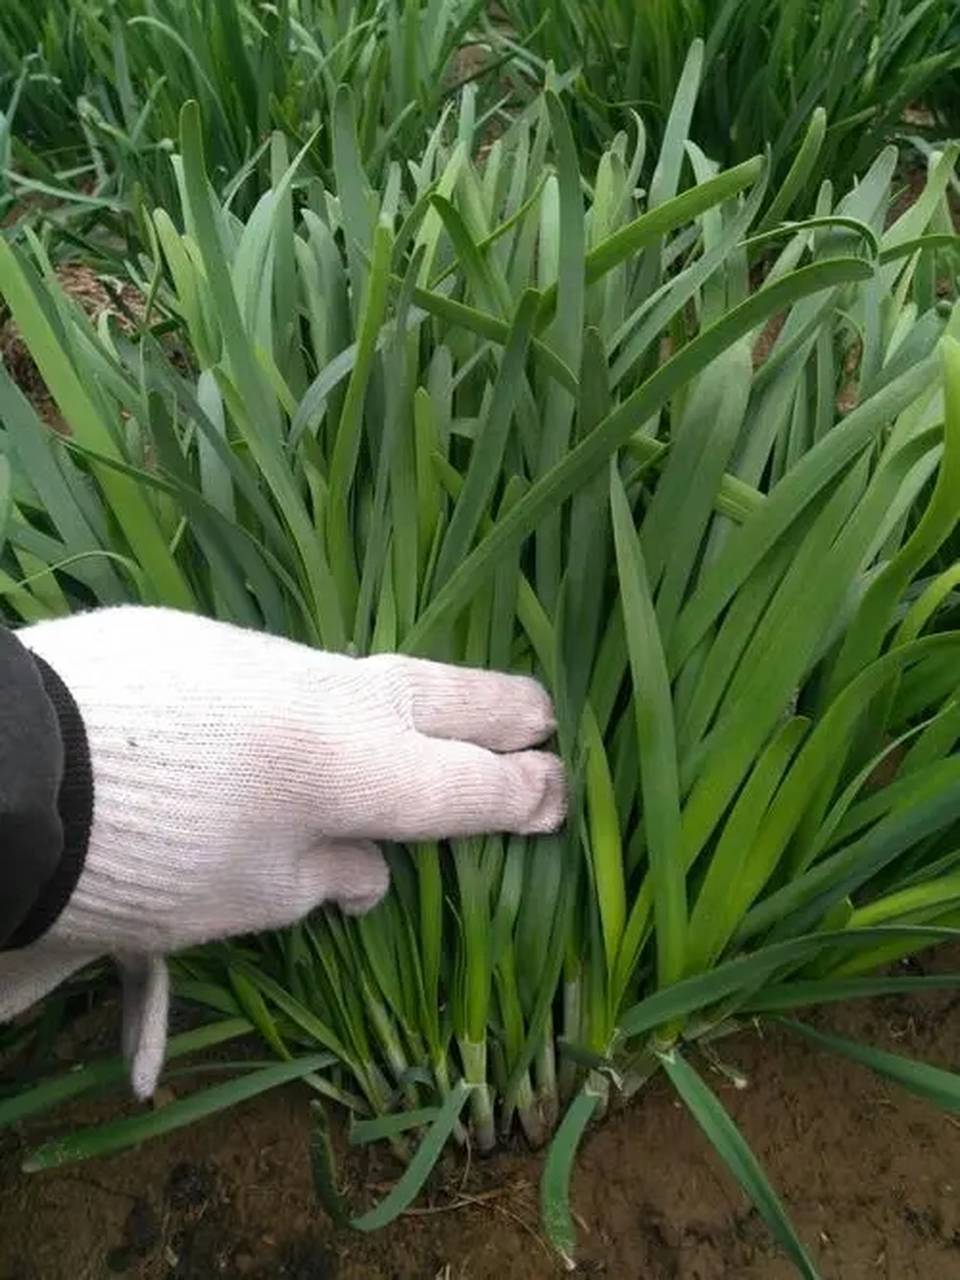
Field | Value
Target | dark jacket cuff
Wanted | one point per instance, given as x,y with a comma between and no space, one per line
46,794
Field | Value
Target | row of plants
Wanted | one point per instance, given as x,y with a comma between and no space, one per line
590,406
91,91
767,66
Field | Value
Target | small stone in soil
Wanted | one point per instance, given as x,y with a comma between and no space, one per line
140,1234
163,1096
306,1259
201,1250
190,1186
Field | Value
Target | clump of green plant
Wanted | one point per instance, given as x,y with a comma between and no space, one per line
828,80
494,412
100,86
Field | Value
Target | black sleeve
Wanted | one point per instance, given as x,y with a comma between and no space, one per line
46,794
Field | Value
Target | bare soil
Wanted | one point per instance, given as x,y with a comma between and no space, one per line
869,1175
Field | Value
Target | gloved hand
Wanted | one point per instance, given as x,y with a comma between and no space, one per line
241,780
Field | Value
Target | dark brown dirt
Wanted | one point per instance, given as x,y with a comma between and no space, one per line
869,1175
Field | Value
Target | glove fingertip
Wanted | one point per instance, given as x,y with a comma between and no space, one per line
146,1012
145,1075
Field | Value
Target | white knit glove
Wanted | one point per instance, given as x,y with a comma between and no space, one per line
241,780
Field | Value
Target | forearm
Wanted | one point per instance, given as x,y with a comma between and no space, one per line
46,794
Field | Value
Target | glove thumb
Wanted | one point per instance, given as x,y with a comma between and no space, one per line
351,873
146,1005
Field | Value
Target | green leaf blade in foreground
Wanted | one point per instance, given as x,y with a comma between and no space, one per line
346,449
651,226
794,492
865,637
130,1131
653,707
557,1170
73,1084
739,978
487,458
731,1145
818,991
403,1194
933,1084
739,866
